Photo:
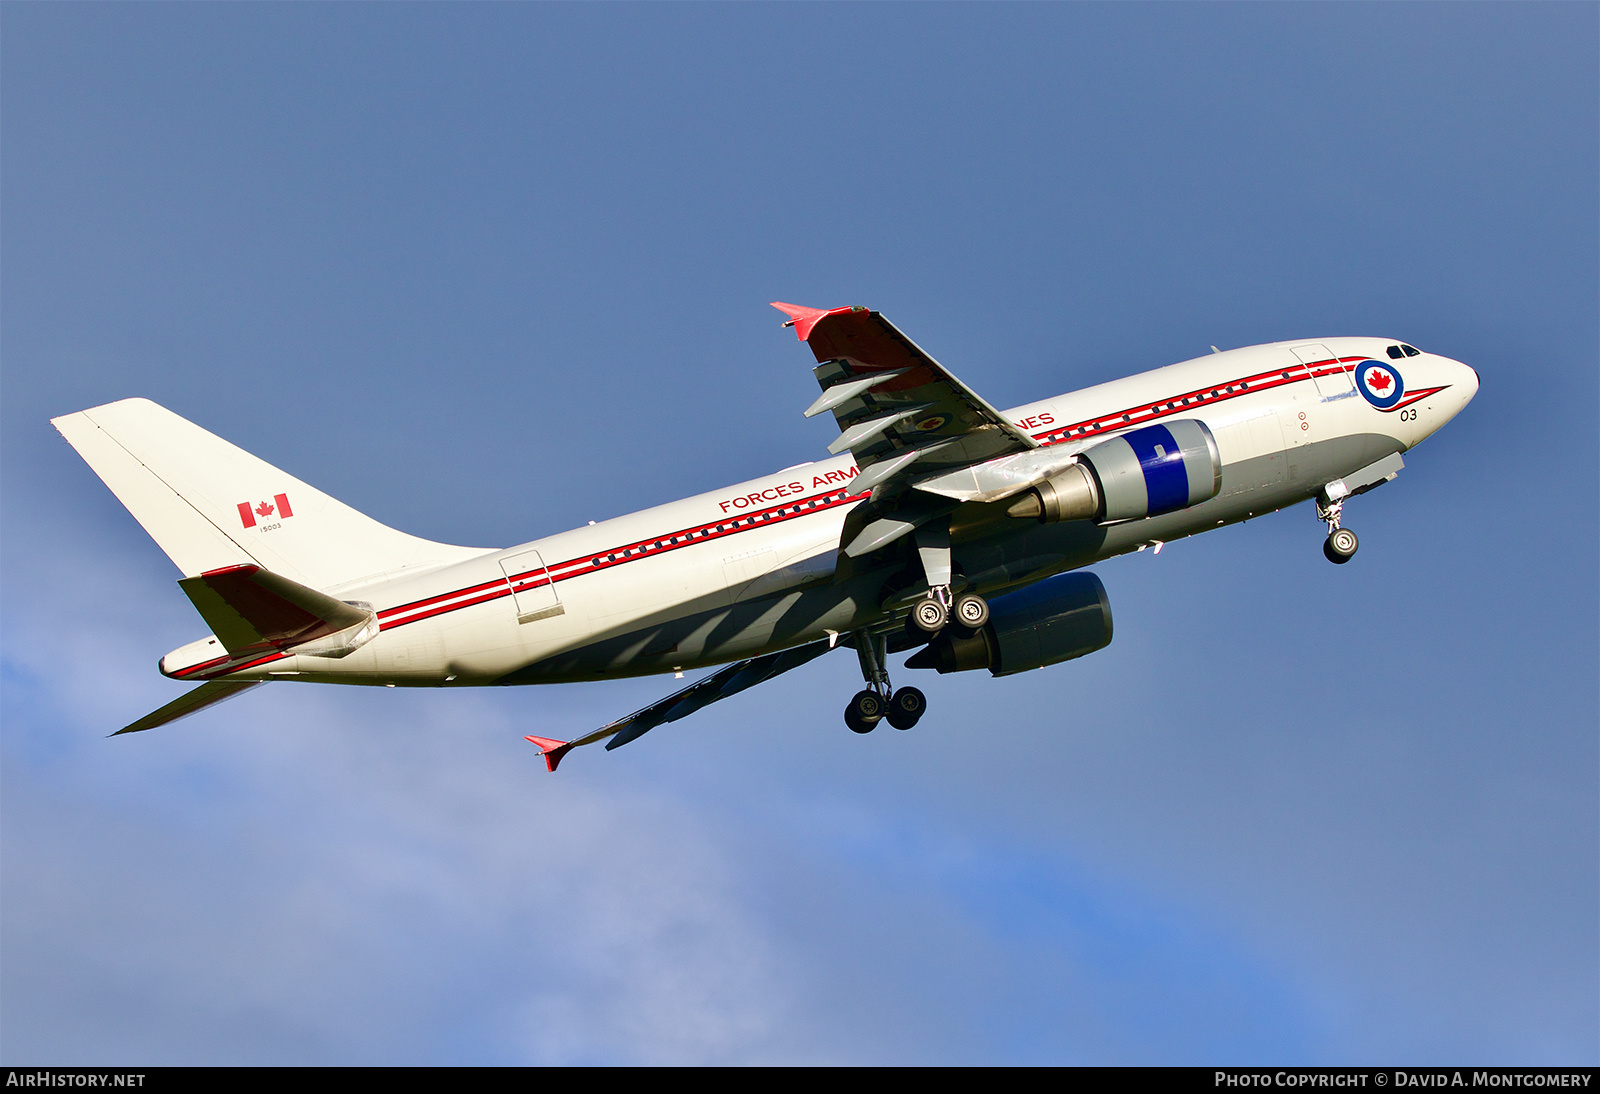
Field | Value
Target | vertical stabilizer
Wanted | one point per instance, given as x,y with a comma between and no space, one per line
209,504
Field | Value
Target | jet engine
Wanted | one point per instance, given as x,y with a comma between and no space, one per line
1055,620
1143,473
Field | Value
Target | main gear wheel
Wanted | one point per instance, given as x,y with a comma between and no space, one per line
928,617
906,708
866,709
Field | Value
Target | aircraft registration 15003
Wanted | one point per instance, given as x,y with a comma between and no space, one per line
939,525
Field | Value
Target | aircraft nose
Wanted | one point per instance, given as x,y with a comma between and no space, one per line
1459,381
1466,379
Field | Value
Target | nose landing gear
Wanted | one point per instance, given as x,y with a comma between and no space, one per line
1340,546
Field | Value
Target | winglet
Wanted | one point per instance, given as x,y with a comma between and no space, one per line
551,750
802,319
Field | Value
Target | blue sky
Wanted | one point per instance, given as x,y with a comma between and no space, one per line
489,272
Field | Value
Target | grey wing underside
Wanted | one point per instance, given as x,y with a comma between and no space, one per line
726,681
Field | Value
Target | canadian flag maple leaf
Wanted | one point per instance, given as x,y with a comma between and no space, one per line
1379,381
263,510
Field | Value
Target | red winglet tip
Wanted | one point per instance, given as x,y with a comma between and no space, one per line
551,750
801,318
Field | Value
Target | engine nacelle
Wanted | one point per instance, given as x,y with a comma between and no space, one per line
1143,473
1055,620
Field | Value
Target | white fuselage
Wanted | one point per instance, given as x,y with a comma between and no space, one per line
750,568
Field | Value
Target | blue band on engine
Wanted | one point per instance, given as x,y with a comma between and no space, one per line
1165,479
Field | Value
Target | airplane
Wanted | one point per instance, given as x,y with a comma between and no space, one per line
938,525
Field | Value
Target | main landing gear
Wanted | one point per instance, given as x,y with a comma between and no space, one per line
877,702
934,612
928,617
1340,546
930,614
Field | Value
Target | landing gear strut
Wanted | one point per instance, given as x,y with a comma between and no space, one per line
930,614
1341,543
867,708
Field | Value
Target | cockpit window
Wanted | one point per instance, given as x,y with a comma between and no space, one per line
1394,352
1411,351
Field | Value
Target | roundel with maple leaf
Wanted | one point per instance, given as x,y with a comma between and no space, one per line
1380,384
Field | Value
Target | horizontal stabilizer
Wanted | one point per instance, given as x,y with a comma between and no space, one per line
190,702
251,609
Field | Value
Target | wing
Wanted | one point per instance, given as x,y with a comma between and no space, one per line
901,414
726,681
923,441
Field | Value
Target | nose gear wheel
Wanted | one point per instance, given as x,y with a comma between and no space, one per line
1340,546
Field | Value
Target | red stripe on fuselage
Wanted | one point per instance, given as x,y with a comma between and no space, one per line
604,560
1205,396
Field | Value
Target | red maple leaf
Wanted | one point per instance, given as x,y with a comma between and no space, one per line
1378,381
263,510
